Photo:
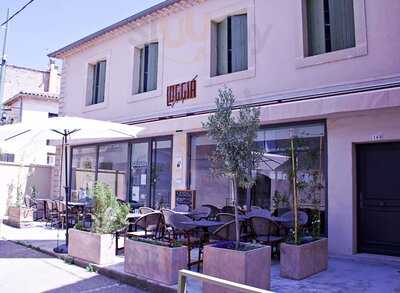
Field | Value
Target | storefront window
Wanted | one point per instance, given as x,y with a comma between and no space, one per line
83,171
113,166
273,185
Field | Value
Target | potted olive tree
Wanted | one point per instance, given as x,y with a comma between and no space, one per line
304,252
19,214
235,157
97,244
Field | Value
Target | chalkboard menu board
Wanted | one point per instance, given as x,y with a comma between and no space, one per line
187,197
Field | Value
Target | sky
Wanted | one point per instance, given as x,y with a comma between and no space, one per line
47,25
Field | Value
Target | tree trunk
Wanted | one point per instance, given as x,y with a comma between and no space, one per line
237,226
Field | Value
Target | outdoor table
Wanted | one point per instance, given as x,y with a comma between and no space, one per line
204,225
133,216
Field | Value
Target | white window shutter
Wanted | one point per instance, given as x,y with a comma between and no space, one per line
239,43
152,67
94,84
141,70
342,24
222,54
316,27
101,81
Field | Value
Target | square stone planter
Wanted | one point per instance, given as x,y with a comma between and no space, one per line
301,261
252,267
91,247
19,216
155,262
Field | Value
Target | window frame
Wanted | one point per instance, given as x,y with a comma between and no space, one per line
360,49
134,63
247,8
86,106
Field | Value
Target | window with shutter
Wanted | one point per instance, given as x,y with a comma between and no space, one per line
330,25
148,68
231,45
98,81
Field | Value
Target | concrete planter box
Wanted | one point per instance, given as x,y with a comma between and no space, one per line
19,216
301,261
155,262
91,247
251,267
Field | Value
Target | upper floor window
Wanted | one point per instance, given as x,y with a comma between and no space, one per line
97,80
230,43
6,157
147,60
330,26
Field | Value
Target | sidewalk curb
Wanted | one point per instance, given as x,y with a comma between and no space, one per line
116,275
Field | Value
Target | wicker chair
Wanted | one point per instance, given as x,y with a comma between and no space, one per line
225,217
201,213
288,219
183,233
149,225
227,232
228,210
214,210
259,213
145,210
266,231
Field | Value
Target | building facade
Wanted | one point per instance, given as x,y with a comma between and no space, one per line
326,71
29,95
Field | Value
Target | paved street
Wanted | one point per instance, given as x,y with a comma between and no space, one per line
25,270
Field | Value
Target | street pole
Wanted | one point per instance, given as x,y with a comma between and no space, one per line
3,61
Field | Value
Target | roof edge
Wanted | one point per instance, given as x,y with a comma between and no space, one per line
58,53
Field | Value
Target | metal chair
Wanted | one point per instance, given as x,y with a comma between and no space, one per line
266,231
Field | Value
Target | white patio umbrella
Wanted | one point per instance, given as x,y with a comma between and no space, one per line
65,129
272,161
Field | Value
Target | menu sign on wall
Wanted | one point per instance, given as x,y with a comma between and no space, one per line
186,197
181,92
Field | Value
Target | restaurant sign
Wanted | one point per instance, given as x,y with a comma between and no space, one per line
181,92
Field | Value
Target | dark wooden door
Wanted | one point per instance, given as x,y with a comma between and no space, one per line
378,186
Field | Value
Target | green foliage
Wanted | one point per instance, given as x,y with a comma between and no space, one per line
306,185
109,215
234,134
19,198
91,269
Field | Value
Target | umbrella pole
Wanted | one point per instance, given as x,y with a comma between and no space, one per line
64,248
66,186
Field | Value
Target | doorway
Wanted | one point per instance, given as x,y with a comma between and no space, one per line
378,188
151,172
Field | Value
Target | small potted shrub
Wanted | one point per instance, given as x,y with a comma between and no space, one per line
304,253
236,157
19,214
97,244
155,260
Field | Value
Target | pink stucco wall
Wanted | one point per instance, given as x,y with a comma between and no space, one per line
273,58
